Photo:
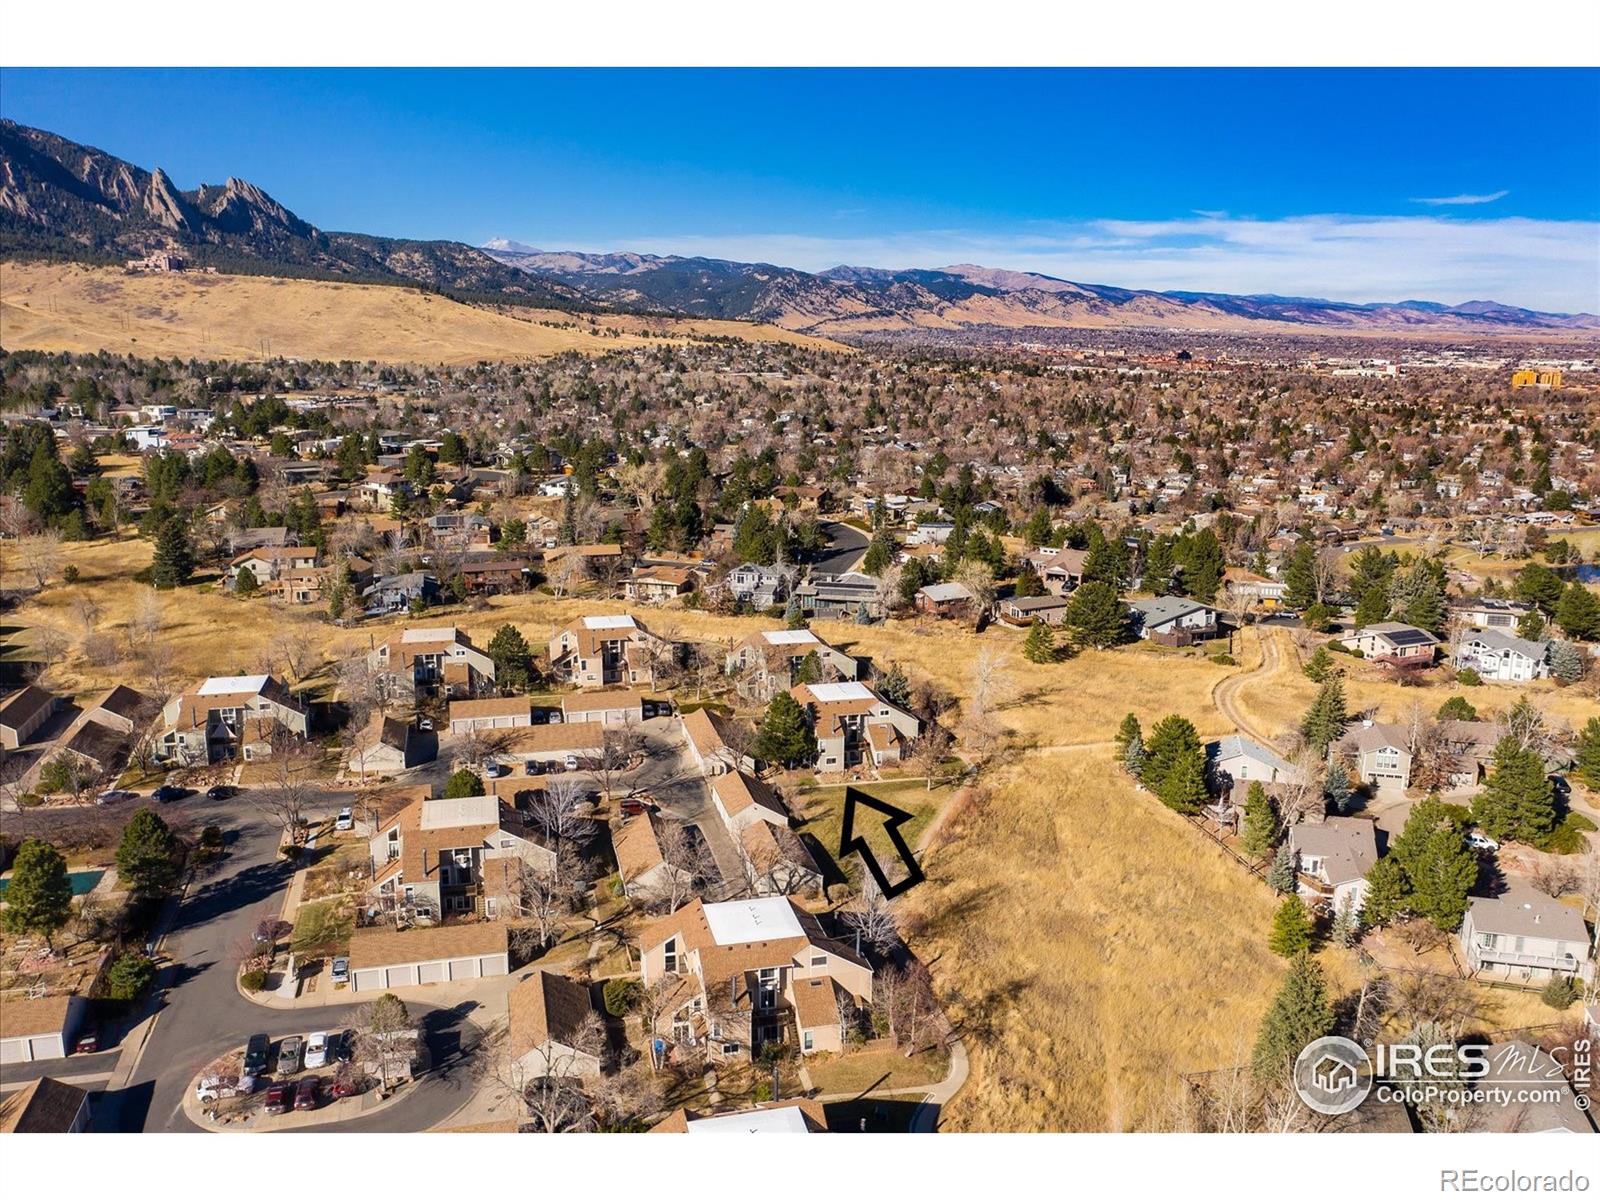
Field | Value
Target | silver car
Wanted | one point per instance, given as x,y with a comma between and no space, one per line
290,1055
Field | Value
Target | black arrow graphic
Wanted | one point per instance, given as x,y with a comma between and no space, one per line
851,842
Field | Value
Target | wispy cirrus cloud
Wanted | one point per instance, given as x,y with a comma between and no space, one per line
1464,198
1552,265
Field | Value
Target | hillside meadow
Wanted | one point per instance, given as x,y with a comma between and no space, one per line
69,307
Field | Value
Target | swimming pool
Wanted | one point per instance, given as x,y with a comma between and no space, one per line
83,882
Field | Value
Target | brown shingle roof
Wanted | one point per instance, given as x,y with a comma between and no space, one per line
546,1008
388,947
21,706
45,1106
595,701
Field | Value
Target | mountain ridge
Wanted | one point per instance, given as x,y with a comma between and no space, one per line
61,199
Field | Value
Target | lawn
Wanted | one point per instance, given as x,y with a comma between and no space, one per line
822,810
323,929
878,1069
340,870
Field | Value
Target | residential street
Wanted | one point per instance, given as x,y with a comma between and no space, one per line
200,1013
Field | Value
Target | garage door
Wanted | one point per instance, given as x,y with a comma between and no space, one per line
402,976
14,1050
463,968
431,973
369,981
495,964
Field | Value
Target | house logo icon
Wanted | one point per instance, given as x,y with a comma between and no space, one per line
1333,1075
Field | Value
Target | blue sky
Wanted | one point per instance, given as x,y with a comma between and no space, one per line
1360,184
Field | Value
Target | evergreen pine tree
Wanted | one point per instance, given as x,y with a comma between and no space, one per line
894,687
1337,788
1300,575
463,783
1325,720
173,562
1040,644
1587,765
880,553
1281,875
785,734
1097,615
1319,666
1517,800
513,659
810,669
1291,929
794,616
1566,662
1133,758
1184,787
1127,731
147,859
1299,1015
39,896
244,583
1172,742
1387,892
1578,614
1259,831
1346,924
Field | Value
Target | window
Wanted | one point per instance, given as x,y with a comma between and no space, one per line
807,1041
819,960
491,907
767,991
669,956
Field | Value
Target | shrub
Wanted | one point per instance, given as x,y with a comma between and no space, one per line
253,981
1225,660
30,800
621,995
129,976
1567,837
1467,677
211,836
70,574
1559,993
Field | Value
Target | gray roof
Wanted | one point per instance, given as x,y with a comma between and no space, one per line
1523,912
1236,745
1494,639
1377,736
1037,603
1347,845
1398,633
1531,1077
940,593
1161,609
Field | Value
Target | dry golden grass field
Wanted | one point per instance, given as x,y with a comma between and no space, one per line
85,309
1091,945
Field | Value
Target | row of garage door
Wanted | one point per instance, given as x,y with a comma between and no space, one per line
377,979
31,1049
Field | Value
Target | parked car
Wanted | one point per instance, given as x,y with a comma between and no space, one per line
345,820
216,1087
493,769
255,1054
339,972
632,806
425,724
570,762
316,1050
533,767
87,1043
342,1046
167,792
308,1093
1482,842
112,795
221,792
344,1084
279,1096
289,1055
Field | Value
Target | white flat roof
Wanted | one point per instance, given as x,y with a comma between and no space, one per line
790,637
761,1120
435,633
736,921
620,622
836,693
228,685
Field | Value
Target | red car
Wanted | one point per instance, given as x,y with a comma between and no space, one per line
344,1084
308,1093
89,1043
279,1097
